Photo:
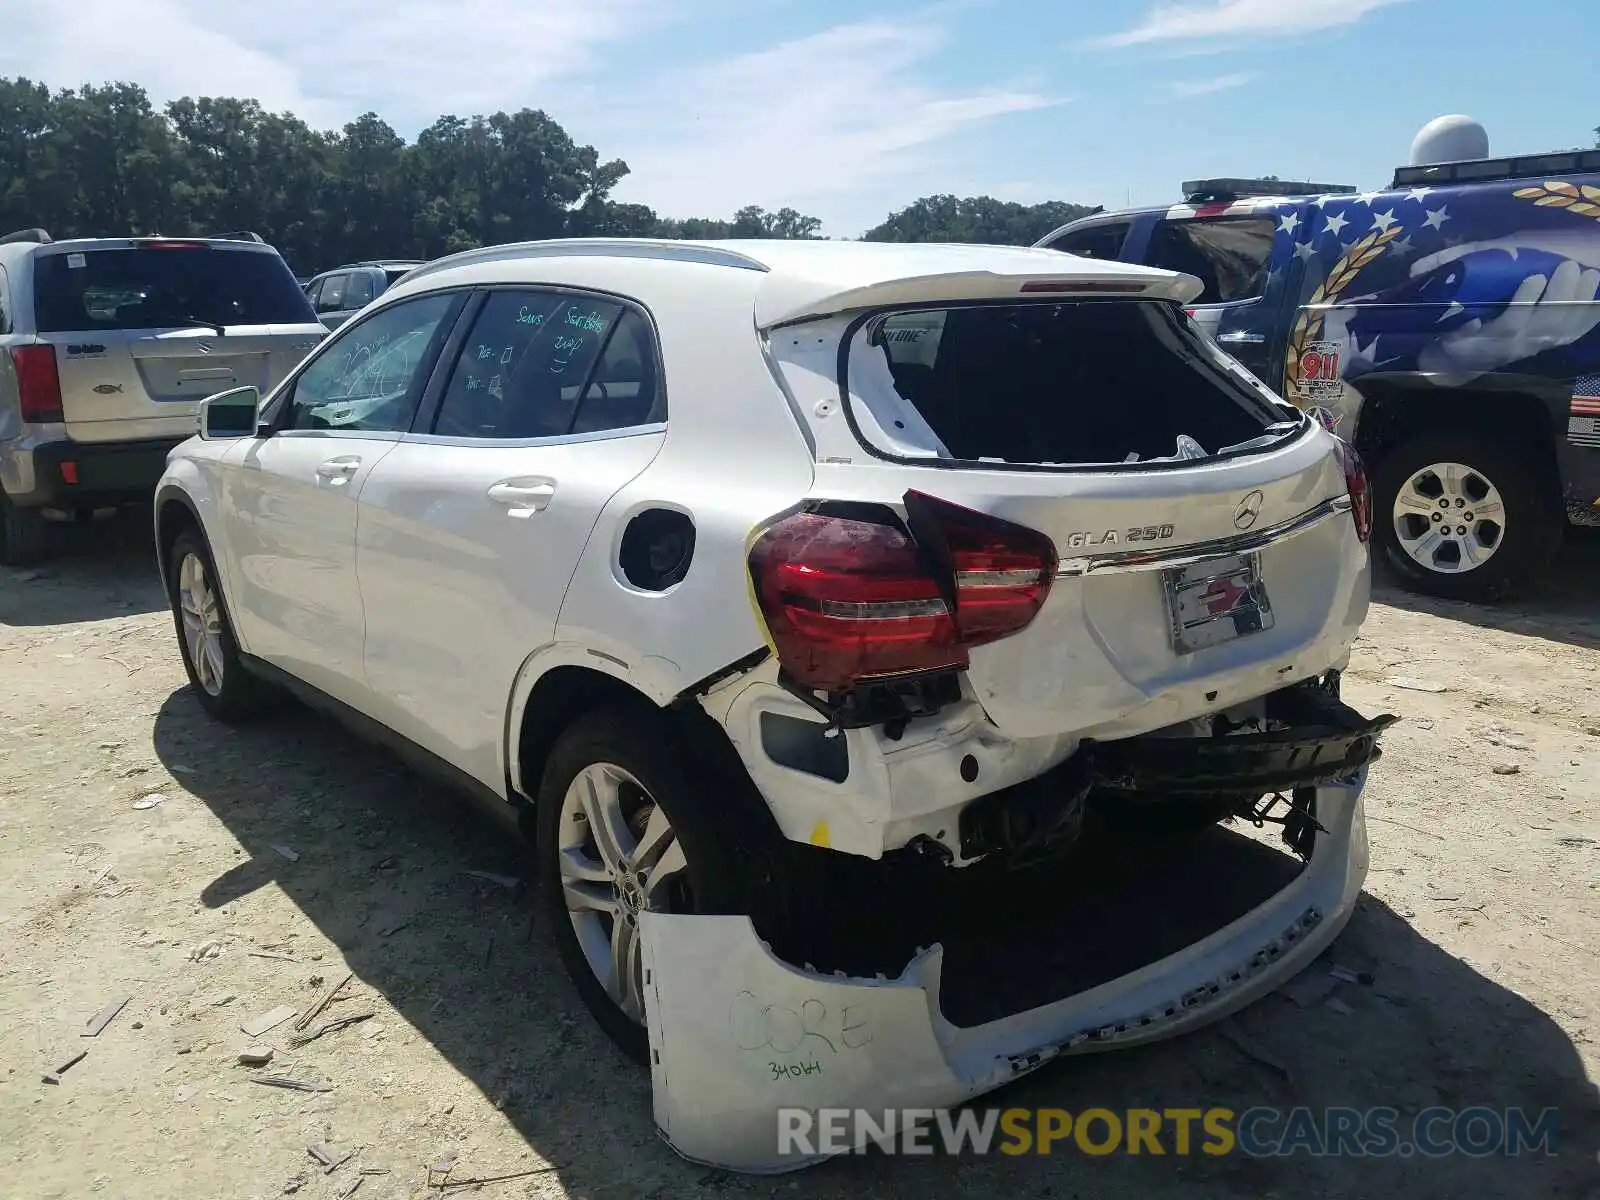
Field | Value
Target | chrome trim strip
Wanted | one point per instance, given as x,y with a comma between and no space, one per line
1225,547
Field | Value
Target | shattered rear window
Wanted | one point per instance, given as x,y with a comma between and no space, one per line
1051,384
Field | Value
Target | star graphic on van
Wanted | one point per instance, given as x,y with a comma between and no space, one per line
1437,217
1335,223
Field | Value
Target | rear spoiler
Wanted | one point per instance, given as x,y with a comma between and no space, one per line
785,300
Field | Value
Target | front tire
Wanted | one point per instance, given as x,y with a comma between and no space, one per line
1464,517
622,828
205,635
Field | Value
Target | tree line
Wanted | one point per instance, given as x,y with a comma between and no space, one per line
106,161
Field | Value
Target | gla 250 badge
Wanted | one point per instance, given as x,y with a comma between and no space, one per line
1114,537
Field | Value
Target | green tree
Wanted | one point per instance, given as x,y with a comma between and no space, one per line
981,219
102,160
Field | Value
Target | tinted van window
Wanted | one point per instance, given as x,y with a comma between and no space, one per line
160,287
1229,256
1098,241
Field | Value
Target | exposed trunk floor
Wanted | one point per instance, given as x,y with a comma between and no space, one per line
1101,915
1016,939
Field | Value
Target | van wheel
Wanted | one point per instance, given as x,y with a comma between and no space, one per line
205,635
24,535
1461,516
622,829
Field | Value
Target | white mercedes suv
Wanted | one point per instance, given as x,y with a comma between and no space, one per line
869,597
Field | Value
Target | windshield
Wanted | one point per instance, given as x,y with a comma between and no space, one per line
165,287
1049,384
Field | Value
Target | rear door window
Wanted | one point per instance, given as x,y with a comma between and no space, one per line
155,287
525,364
1098,241
1047,384
1228,255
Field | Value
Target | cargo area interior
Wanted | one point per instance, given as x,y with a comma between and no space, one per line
1069,383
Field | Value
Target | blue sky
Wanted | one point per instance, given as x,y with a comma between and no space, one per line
850,110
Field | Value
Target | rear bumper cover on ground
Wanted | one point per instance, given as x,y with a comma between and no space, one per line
737,1034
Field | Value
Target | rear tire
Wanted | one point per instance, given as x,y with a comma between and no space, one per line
24,535
668,851
1428,530
210,655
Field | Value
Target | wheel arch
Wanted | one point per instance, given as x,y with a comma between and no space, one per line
554,688
1396,408
174,512
564,682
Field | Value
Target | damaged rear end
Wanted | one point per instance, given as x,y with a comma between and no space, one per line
1071,590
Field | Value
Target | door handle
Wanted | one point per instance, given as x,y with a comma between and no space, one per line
523,497
338,470
1241,338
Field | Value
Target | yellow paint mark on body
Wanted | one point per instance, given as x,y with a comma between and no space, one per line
819,835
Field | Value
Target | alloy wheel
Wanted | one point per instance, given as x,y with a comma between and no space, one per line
619,856
202,623
1449,518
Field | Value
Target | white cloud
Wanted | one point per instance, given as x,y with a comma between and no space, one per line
1188,89
325,60
822,123
843,123
1235,18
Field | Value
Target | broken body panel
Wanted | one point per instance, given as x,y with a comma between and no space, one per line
737,1033
1185,651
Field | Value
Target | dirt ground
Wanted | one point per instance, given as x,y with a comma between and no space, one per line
285,856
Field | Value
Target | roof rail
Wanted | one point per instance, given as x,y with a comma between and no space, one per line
651,248
1196,191
237,235
1482,170
27,235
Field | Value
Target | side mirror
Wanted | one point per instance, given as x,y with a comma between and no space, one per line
231,414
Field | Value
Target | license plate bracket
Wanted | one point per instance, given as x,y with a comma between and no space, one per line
1215,602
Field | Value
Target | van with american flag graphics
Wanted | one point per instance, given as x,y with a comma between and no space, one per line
1448,326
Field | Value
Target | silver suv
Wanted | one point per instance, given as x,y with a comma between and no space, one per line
339,294
107,347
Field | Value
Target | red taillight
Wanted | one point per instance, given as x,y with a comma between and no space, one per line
38,385
171,244
849,600
1360,488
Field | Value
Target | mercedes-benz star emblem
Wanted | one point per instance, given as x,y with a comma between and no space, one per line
1249,509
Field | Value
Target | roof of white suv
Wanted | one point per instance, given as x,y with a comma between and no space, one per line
805,279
